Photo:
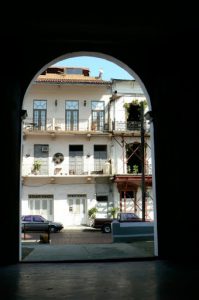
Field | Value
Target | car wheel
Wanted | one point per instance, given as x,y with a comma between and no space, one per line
53,229
106,228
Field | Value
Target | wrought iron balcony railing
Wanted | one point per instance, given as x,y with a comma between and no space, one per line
57,124
129,126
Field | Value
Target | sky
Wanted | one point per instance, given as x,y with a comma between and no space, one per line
110,70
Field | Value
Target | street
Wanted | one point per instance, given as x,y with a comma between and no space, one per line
81,243
73,235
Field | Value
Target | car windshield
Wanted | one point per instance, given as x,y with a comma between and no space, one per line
127,216
130,216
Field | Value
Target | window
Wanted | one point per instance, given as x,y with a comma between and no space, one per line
39,114
27,218
41,205
72,115
42,156
102,198
97,115
37,219
100,157
75,159
102,206
77,71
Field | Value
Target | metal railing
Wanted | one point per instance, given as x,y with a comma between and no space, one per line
58,124
129,126
148,170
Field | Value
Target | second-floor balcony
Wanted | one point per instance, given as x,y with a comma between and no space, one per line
46,170
49,169
129,126
56,124
82,125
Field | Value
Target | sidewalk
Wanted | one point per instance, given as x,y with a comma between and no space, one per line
85,252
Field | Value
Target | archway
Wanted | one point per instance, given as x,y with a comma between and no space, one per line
98,150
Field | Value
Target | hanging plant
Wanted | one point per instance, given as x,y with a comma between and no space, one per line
135,102
58,158
134,109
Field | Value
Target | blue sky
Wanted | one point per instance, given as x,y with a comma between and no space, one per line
110,70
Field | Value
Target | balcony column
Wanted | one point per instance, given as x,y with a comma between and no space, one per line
124,201
53,125
120,201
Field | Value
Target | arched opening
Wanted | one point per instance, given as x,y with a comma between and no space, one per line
92,162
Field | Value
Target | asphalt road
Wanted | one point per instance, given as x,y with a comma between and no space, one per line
82,235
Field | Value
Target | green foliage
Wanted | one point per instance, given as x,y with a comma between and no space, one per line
129,169
37,165
135,102
113,211
92,212
133,110
135,169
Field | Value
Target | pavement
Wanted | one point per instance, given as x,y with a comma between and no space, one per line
82,244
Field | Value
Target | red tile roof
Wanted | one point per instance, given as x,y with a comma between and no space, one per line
70,79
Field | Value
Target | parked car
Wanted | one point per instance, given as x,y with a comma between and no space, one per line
37,222
105,223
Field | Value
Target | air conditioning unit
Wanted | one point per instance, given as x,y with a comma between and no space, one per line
44,149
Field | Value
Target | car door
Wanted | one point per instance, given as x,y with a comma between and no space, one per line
38,223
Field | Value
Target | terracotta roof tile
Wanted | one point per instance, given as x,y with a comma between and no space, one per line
66,78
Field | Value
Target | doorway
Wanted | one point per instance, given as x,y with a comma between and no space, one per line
76,214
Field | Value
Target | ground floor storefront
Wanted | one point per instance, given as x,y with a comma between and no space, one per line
68,202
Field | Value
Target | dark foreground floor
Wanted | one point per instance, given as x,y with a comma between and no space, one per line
137,280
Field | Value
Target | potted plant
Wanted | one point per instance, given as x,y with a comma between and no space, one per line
128,169
92,214
36,166
135,169
113,211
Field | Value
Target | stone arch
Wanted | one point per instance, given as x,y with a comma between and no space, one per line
138,79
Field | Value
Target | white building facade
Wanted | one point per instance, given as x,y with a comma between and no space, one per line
81,131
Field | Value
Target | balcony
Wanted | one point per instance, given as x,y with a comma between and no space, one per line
56,126
131,181
147,171
59,126
129,126
63,171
